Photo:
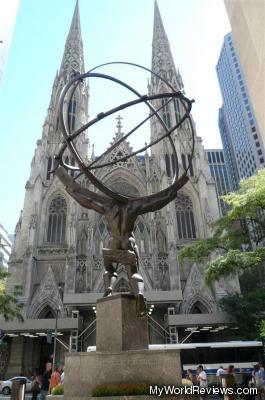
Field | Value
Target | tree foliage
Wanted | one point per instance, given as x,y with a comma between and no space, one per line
248,308
10,308
238,237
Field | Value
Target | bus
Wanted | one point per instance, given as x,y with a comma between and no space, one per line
242,354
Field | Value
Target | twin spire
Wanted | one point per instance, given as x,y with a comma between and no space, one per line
162,60
73,58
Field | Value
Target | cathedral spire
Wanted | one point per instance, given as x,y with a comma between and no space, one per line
162,59
73,58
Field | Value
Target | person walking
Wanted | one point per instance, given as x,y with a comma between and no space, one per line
190,376
55,377
219,374
36,385
46,381
202,380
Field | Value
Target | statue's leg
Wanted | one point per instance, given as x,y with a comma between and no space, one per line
110,277
137,284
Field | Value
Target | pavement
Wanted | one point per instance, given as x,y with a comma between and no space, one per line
2,397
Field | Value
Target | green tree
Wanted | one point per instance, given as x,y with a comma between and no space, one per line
238,237
248,307
237,248
10,308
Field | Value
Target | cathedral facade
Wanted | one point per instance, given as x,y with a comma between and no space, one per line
57,254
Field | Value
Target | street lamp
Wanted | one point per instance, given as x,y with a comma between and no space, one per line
56,332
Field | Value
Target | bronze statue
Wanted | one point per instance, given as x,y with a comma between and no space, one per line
120,211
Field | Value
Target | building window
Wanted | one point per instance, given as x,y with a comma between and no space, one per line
185,217
71,114
259,153
191,165
49,168
57,220
168,170
72,165
257,144
174,163
166,113
183,159
261,160
253,129
177,110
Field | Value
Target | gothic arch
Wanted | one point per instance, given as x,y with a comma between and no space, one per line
57,214
126,176
47,296
51,193
199,306
47,312
196,294
185,217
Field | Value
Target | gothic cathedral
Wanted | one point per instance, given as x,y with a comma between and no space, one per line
57,256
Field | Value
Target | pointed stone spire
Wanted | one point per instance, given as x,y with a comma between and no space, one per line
73,58
162,59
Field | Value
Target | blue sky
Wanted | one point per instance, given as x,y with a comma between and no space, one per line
111,30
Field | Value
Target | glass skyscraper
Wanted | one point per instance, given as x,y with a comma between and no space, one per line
219,172
243,148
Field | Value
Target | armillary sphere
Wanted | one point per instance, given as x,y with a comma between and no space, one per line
69,136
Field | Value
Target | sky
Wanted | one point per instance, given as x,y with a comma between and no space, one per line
111,30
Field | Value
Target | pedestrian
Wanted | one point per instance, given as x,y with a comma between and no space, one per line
45,382
36,385
219,374
62,376
231,382
258,378
202,380
190,376
55,377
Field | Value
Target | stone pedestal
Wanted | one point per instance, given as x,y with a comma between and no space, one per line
84,371
118,328
122,354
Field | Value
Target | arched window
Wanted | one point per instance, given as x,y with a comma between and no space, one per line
72,164
167,160
183,158
49,168
71,114
166,113
185,218
191,165
57,220
177,110
174,163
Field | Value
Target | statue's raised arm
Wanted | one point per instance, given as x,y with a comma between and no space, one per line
159,200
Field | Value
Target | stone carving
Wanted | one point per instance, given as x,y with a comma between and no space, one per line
80,280
47,294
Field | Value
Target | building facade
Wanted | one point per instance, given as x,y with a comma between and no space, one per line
220,174
57,252
242,142
247,22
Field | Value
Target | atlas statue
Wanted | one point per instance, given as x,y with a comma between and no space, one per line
120,210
